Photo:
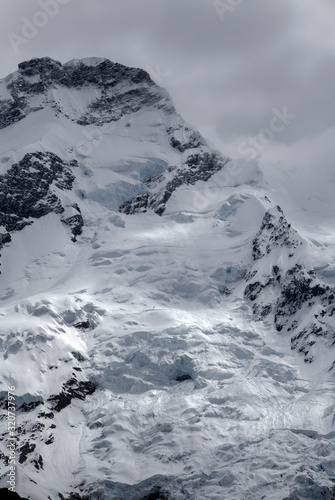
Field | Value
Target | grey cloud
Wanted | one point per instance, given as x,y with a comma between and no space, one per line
224,76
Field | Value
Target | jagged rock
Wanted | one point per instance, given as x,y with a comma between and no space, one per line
298,288
171,360
293,290
38,463
110,77
75,221
109,109
11,112
72,389
198,167
135,205
25,450
5,238
83,324
274,231
27,190
27,407
195,140
253,290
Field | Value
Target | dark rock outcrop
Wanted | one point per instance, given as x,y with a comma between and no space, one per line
298,297
27,189
72,389
25,450
274,231
38,75
5,238
195,140
198,167
75,222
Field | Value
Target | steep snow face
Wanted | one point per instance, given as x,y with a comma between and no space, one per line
111,120
169,333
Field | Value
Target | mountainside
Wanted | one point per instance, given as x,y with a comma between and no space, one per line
168,329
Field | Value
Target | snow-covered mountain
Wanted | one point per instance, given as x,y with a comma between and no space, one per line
167,327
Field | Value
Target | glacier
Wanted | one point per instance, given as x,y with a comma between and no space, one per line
166,311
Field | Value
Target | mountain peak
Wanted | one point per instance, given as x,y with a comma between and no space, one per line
108,89
77,72
189,355
38,66
100,102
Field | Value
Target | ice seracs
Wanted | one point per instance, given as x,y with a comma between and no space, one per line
164,322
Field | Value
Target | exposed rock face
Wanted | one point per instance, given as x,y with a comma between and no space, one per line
75,221
295,292
38,76
5,238
275,232
28,190
195,140
197,167
78,74
298,288
137,346
108,109
72,389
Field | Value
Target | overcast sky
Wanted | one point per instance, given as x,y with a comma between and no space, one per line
232,67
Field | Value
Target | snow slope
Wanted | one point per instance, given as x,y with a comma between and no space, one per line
150,300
